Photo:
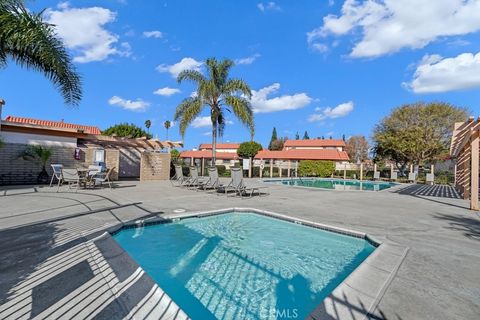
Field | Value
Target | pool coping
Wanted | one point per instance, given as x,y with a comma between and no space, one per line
356,297
273,180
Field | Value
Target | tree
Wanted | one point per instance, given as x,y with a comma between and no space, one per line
273,139
305,136
277,144
174,154
39,155
416,133
249,150
357,148
126,130
297,136
32,43
167,125
148,124
217,93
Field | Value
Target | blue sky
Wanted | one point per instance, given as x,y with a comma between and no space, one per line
328,67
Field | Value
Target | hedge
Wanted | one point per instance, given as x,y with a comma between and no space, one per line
316,168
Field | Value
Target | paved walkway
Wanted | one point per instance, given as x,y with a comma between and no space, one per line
52,262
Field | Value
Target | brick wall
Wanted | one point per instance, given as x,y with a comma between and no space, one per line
155,166
18,171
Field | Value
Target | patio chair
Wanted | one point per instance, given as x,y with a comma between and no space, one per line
237,184
101,178
394,176
179,178
213,181
376,175
71,177
57,174
194,181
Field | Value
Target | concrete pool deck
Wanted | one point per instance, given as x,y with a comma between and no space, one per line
43,235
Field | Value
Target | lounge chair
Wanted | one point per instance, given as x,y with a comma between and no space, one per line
412,176
237,184
194,180
394,176
57,174
100,178
213,181
71,177
179,178
376,175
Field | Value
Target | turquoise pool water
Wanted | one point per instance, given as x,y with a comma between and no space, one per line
244,265
337,184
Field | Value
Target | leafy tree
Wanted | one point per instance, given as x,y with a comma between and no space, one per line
249,149
167,124
126,130
32,43
305,136
148,124
277,144
417,133
343,137
174,154
297,136
218,93
273,139
357,148
39,155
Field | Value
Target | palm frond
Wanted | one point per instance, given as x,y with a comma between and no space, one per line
186,112
33,44
191,75
242,109
234,86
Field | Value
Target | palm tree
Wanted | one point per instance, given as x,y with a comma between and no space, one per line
148,124
32,43
217,93
39,155
167,125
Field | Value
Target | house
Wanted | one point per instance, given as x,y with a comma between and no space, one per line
286,159
75,145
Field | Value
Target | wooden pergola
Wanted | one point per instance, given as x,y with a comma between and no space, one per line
465,150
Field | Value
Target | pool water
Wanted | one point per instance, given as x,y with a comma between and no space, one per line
337,184
244,265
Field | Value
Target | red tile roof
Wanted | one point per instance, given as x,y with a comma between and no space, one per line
207,154
315,143
54,124
219,146
304,154
293,154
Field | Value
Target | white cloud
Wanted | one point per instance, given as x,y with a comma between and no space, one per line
184,64
137,105
83,31
153,34
248,60
200,122
262,104
268,6
339,111
390,25
437,74
319,47
166,92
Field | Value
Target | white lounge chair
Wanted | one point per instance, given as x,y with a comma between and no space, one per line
71,177
57,174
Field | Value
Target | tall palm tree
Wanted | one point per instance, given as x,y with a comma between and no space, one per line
167,125
217,93
34,44
148,124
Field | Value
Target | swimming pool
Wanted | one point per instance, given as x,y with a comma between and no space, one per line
243,265
336,184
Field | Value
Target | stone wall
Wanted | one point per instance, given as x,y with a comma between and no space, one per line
155,166
18,171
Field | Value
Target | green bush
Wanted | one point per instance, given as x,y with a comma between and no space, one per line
316,168
221,170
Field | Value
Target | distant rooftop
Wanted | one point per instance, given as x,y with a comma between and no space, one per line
315,143
219,146
54,124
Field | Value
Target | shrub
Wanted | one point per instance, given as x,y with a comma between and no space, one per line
221,170
316,168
